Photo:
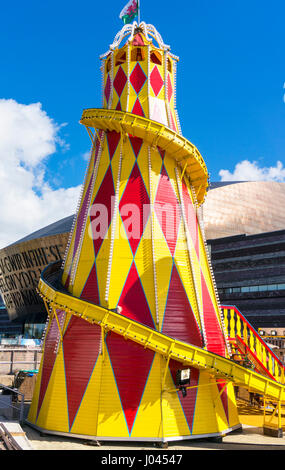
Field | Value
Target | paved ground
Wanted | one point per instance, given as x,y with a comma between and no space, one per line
250,438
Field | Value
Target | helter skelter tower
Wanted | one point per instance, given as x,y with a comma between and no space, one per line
138,251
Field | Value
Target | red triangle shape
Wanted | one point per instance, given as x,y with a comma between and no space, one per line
135,195
214,335
81,217
49,357
224,397
137,109
179,321
137,78
136,144
131,365
133,300
81,345
90,291
162,152
104,198
113,138
188,403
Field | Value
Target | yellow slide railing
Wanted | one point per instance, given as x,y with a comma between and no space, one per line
187,354
154,133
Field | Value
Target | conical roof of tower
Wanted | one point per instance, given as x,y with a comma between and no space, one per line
139,35
139,39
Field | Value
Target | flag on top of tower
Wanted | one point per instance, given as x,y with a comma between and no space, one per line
130,11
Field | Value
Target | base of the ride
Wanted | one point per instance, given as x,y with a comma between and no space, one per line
98,413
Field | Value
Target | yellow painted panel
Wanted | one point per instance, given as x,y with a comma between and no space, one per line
163,267
207,274
156,164
54,414
222,421
86,261
128,160
120,263
232,406
148,422
174,421
102,168
142,162
32,416
68,260
102,262
111,418
87,415
205,418
160,68
182,262
169,164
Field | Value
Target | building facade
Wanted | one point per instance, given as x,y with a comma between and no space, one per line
250,274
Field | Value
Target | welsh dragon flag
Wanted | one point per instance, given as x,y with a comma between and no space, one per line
130,11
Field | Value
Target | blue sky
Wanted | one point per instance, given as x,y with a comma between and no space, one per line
230,80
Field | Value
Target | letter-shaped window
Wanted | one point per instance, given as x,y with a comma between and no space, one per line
155,57
108,65
137,54
120,58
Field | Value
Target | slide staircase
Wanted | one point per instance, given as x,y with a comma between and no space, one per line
248,347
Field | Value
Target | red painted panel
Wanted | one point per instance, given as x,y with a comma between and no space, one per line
134,208
49,357
131,365
81,345
188,403
224,397
90,291
214,334
137,109
133,300
104,198
167,210
179,321
138,40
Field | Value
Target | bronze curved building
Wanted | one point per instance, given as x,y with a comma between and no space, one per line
244,208
245,228
20,266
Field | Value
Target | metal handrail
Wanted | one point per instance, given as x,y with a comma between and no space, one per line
15,391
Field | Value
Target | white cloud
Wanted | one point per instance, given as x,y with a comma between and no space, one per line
28,136
251,171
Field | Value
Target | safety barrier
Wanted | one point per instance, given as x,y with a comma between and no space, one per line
244,338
